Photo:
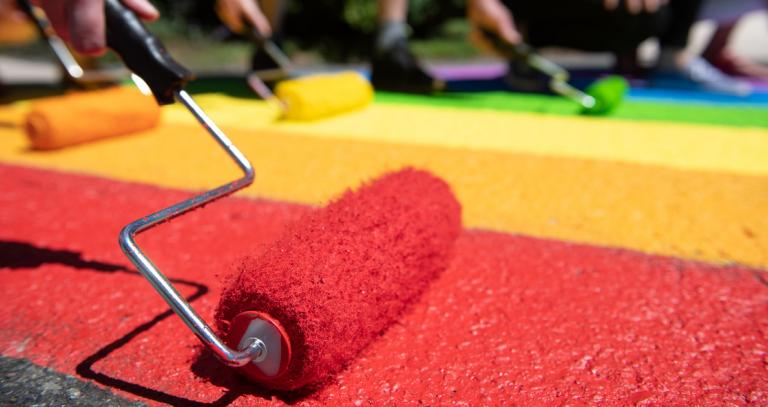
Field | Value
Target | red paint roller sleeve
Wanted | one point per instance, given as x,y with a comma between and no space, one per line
340,276
76,118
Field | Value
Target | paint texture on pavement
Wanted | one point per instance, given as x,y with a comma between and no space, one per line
676,145
25,384
684,146
514,318
714,214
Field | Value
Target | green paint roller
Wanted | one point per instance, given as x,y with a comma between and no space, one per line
600,98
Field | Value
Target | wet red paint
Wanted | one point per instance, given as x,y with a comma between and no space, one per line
514,319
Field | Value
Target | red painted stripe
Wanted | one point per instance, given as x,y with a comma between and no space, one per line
514,319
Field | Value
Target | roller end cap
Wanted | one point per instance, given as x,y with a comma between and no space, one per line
253,324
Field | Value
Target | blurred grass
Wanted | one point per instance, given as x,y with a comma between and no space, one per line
199,50
451,43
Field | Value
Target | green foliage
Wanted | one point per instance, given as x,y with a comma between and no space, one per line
340,29
433,13
361,15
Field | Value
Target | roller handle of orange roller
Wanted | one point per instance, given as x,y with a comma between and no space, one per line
143,53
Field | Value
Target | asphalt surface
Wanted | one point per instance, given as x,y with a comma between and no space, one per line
25,384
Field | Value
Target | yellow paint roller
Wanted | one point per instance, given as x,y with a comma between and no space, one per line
310,97
317,96
80,117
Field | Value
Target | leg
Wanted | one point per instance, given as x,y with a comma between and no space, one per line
393,10
693,69
717,54
684,14
392,25
393,66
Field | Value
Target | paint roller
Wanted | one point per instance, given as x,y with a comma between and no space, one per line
308,97
298,313
340,277
57,122
103,112
600,98
80,117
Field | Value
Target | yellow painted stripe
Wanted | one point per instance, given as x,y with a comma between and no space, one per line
684,146
710,215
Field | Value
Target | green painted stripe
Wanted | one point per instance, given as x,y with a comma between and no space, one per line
734,116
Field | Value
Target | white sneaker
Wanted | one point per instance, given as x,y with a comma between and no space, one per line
704,74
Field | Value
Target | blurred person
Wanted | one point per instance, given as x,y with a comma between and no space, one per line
393,66
727,14
617,26
264,16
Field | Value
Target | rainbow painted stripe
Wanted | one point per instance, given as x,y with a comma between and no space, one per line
688,190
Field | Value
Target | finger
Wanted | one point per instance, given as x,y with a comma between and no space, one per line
229,17
610,4
86,26
55,12
508,31
143,9
652,6
256,18
479,40
634,6
9,10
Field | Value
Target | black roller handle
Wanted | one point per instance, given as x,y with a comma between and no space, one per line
273,51
520,51
525,53
143,53
253,34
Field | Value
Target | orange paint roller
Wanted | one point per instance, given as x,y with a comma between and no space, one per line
76,118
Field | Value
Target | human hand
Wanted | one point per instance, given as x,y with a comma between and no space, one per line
237,13
9,11
637,6
81,22
492,16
